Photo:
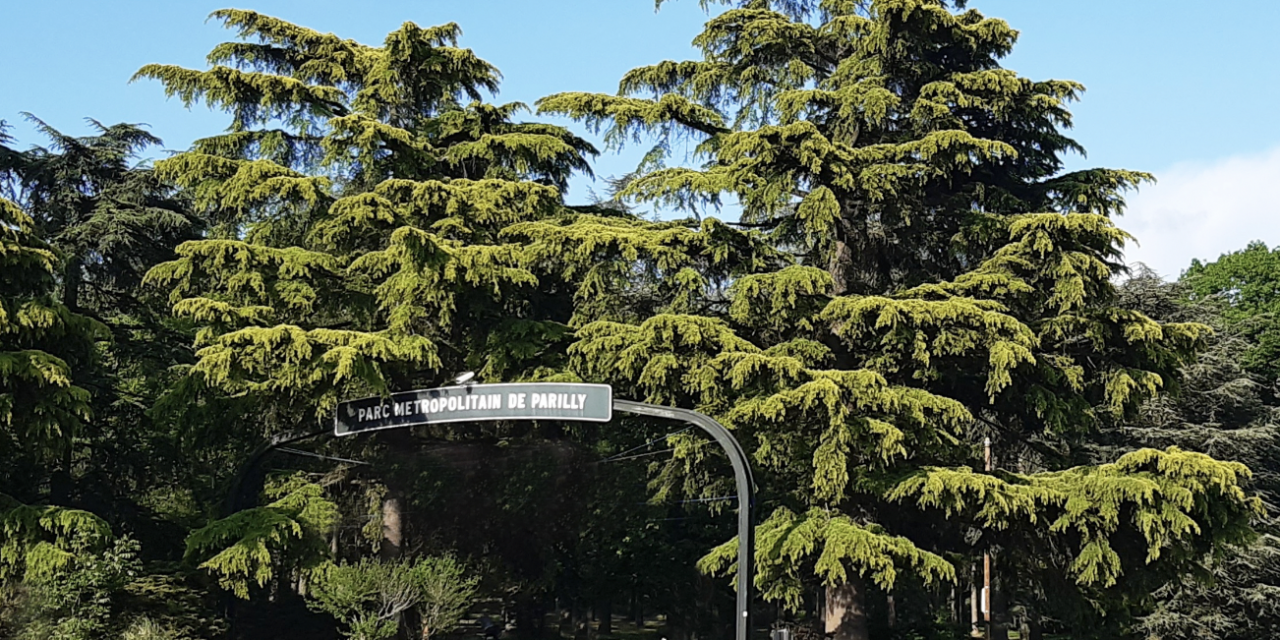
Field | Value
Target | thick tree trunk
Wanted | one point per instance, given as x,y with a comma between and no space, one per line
392,528
893,611
838,267
846,611
975,598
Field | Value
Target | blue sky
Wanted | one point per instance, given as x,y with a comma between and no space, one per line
1185,90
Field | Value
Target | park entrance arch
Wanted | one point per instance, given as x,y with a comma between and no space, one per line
557,401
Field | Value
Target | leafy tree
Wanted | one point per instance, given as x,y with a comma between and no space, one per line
913,272
1247,283
43,407
371,596
109,218
892,303
251,546
368,597
80,600
444,593
361,245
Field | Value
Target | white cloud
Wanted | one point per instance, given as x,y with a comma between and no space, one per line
1204,210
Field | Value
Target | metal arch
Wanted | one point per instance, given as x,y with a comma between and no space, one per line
746,496
737,457
235,497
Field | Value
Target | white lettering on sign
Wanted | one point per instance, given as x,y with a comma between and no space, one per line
529,401
570,401
476,402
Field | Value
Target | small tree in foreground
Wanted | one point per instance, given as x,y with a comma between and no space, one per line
445,593
371,597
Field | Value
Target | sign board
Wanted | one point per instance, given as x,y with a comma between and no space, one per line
476,402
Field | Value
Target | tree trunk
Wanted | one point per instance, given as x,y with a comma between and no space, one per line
606,616
893,611
846,611
838,267
392,528
999,609
637,609
71,285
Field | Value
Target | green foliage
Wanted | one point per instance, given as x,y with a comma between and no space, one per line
350,241
41,406
1246,283
842,112
913,272
169,606
370,597
367,597
843,547
111,217
445,593
80,600
1229,412
148,629
937,279
40,541
251,546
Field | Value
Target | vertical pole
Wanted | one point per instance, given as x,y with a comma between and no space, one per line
986,557
973,601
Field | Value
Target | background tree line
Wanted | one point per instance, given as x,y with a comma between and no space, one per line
912,272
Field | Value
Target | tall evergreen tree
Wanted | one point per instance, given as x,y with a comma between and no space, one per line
358,204
350,241
106,212
44,347
44,350
948,282
99,204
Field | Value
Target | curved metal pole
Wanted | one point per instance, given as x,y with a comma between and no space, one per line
746,495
